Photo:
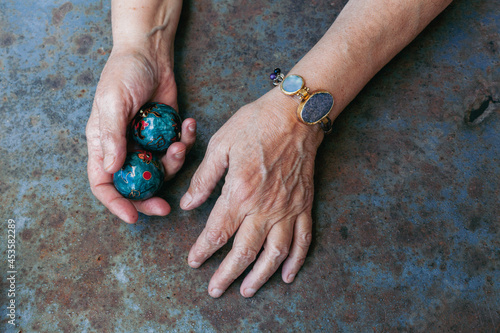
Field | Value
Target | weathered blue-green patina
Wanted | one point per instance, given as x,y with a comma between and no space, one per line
406,214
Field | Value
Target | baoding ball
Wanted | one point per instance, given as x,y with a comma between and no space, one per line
156,126
140,177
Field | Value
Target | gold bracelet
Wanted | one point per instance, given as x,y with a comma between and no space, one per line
314,108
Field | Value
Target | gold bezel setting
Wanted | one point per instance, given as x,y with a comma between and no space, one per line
296,91
303,103
297,86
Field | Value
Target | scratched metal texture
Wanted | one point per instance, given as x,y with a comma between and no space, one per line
406,213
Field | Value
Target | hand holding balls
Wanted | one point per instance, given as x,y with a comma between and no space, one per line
155,127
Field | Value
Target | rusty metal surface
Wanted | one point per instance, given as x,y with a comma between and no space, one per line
407,187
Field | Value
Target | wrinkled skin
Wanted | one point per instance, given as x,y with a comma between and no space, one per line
267,196
130,79
269,156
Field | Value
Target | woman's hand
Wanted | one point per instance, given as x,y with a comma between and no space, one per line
131,77
267,196
269,155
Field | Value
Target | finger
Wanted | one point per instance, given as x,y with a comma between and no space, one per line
176,153
113,121
206,177
153,206
174,159
247,244
101,184
188,133
220,227
275,252
300,245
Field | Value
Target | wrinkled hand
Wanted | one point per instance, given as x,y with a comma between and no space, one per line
130,79
267,196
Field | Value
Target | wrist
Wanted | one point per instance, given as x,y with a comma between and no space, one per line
284,111
314,105
162,58
148,26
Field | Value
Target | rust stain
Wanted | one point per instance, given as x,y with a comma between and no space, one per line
59,13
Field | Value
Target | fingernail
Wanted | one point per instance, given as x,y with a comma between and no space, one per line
158,211
216,292
194,264
108,161
186,200
192,127
249,292
290,278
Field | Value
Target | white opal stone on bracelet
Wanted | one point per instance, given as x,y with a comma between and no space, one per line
292,84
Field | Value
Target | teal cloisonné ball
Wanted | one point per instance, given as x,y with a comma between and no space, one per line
140,177
156,126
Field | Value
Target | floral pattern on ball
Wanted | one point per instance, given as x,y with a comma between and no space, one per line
156,126
140,177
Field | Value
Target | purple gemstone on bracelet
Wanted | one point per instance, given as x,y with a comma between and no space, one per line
272,76
316,107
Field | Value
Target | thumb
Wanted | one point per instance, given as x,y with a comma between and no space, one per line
113,121
205,179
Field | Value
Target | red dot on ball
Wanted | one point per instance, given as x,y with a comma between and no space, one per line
146,175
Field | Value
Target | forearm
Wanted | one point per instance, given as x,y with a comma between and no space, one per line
366,35
147,24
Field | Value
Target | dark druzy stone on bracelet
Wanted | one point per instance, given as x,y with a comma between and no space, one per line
140,177
156,126
316,107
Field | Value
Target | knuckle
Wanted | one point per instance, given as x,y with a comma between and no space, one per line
107,136
262,279
242,191
245,255
216,152
93,190
99,96
277,254
304,240
217,237
198,183
103,98
214,143
304,196
300,260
